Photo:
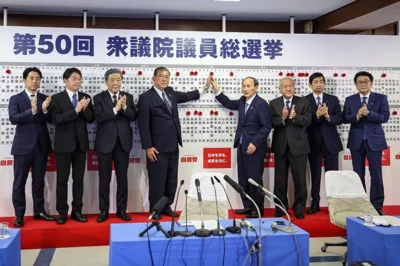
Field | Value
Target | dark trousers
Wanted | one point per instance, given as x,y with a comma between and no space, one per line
121,164
331,161
298,165
377,195
64,161
251,166
163,177
37,161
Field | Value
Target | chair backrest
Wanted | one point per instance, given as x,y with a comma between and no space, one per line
346,197
208,198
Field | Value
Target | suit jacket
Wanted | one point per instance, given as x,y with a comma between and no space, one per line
290,132
379,113
254,126
158,127
70,126
322,127
111,126
29,127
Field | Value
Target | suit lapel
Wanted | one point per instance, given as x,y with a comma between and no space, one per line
159,101
107,99
371,101
25,98
313,103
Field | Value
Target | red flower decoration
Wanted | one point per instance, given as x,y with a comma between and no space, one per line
300,74
191,73
195,73
8,71
140,73
211,74
306,74
211,112
123,72
344,74
231,113
195,112
177,74
288,74
394,113
200,113
335,75
216,113
383,75
188,113
280,73
231,74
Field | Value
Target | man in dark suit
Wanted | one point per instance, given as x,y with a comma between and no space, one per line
114,110
366,111
28,111
251,135
160,133
323,136
290,117
71,111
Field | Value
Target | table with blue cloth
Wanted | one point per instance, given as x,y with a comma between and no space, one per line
280,248
10,249
380,245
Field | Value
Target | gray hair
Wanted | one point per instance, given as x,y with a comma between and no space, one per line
112,71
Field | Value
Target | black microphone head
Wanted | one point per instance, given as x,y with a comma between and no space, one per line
239,189
160,204
212,180
182,181
216,178
186,192
197,182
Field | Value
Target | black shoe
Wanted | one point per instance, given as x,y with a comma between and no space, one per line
124,216
78,216
254,214
43,216
244,211
313,209
62,219
380,212
19,221
170,213
299,216
102,217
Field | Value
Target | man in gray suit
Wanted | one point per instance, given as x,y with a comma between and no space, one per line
290,117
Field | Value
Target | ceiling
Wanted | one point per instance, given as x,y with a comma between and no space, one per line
268,10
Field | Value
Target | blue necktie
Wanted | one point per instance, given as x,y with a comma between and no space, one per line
115,99
364,100
246,108
167,102
74,100
287,105
318,101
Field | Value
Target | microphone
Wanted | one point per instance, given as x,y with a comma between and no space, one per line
201,232
218,231
254,183
231,229
240,190
280,206
186,233
158,207
173,233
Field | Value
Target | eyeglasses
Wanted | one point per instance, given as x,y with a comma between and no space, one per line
34,79
363,82
163,76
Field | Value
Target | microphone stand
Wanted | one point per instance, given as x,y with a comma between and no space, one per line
157,224
202,232
186,233
259,227
218,231
234,229
173,233
287,229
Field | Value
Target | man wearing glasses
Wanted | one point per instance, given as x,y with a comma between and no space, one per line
366,111
160,133
71,111
28,110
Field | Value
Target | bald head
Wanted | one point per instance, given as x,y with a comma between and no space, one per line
286,86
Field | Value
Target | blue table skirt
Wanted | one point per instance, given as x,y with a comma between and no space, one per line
10,249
